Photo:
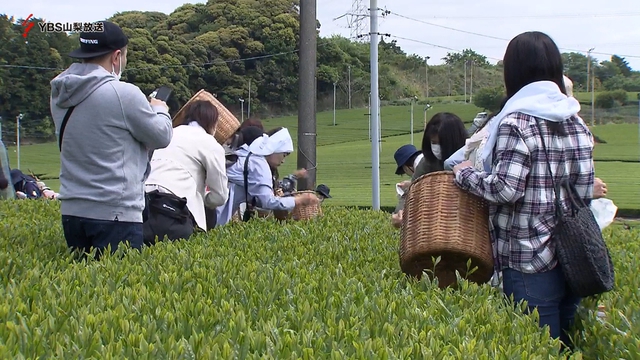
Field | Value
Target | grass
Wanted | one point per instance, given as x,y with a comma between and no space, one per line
344,154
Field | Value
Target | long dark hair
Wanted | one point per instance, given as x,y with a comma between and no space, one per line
533,56
451,134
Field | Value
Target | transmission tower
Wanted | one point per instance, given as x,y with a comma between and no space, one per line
358,21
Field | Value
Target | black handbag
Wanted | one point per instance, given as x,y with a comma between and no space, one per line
167,215
579,245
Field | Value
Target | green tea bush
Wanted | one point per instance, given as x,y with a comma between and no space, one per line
329,288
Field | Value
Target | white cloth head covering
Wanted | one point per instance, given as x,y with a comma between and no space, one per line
568,84
280,142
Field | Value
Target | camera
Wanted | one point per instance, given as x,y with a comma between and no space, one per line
288,185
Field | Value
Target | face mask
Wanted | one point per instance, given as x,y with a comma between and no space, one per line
435,148
113,69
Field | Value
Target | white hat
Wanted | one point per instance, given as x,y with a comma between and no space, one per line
280,142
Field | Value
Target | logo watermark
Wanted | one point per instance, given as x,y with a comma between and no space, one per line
59,27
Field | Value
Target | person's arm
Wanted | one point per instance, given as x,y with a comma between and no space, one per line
151,125
216,178
261,187
455,159
506,184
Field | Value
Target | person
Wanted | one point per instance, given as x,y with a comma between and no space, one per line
264,154
193,161
6,187
443,135
538,128
277,183
105,146
407,158
323,192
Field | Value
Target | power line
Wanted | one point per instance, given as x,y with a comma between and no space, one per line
556,16
495,37
434,45
215,62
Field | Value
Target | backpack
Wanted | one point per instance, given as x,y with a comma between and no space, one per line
25,184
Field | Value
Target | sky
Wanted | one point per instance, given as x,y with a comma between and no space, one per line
428,28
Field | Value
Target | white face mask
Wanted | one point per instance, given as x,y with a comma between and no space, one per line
113,69
435,149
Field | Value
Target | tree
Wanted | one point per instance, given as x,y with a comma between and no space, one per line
458,58
489,98
622,64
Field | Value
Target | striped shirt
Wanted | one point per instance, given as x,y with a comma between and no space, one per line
520,188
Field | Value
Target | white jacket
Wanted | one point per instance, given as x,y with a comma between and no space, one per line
192,161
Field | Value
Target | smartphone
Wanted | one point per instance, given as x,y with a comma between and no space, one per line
162,93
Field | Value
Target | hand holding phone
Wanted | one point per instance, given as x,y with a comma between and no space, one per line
162,93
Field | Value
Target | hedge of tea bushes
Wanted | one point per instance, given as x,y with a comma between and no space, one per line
329,288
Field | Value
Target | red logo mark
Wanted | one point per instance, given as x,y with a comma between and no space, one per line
29,26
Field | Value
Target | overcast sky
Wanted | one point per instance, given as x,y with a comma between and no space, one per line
609,27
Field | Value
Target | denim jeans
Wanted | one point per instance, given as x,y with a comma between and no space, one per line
548,293
84,234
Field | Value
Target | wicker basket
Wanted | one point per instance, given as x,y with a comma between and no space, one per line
303,212
441,220
227,125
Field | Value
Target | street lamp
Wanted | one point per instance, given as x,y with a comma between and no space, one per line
425,114
413,100
242,108
426,73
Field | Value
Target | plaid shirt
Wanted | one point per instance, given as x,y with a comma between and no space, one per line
520,188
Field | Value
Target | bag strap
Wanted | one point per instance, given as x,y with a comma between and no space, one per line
246,185
574,197
556,190
63,125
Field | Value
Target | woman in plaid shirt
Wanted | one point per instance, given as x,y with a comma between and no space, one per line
516,181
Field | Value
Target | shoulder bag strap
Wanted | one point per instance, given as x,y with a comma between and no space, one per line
63,125
246,184
558,204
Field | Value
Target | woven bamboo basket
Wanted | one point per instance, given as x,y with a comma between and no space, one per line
441,220
227,125
304,212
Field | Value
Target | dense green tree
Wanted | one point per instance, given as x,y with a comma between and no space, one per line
237,48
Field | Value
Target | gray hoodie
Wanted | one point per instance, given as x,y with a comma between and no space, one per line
106,143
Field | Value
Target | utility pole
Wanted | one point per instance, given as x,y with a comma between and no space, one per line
426,73
334,104
375,106
593,101
369,114
471,87
449,77
349,70
18,138
592,78
465,81
307,94
589,66
249,103
242,108
412,101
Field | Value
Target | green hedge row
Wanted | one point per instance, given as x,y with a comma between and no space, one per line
329,288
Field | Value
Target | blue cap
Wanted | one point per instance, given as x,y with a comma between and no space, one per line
402,155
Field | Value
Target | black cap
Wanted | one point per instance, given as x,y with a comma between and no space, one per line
106,37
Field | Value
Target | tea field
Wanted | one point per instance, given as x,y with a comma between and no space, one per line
329,288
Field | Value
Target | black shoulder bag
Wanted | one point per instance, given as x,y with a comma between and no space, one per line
580,247
249,212
63,125
167,215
